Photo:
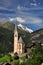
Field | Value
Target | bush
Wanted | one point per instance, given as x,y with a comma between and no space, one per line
16,62
23,64
10,57
1,55
26,56
16,56
5,59
23,58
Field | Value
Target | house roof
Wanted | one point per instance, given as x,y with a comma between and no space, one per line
20,40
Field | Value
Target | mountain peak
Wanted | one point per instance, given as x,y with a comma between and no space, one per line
25,28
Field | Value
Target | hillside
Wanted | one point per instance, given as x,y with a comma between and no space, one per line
6,36
7,25
37,35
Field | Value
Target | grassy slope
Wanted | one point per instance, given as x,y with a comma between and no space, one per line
38,34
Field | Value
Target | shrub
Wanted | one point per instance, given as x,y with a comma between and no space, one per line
16,56
5,59
23,58
26,56
1,55
16,62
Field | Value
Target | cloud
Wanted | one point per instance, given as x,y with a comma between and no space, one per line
7,9
21,8
11,19
34,7
18,19
33,4
34,20
18,7
27,20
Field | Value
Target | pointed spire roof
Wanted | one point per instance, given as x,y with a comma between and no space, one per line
15,27
20,40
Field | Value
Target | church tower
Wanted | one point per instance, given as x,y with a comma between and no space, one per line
15,39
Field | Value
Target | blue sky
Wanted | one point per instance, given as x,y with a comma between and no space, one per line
26,12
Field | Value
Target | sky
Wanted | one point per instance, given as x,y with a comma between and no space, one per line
26,12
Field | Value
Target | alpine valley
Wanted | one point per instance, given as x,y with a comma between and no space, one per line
7,31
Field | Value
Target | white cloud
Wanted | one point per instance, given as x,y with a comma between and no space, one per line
33,4
11,19
34,20
4,8
18,7
27,19
21,8
18,19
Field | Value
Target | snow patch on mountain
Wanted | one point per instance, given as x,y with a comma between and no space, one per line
25,28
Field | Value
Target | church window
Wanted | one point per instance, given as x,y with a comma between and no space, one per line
19,46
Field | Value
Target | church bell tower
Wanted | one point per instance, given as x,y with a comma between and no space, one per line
15,39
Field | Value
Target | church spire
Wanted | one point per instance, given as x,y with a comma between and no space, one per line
15,39
15,28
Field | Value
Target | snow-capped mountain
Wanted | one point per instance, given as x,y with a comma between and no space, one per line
25,28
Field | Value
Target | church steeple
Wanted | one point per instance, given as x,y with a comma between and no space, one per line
15,39
19,45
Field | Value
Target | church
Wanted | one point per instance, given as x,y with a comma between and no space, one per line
19,45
